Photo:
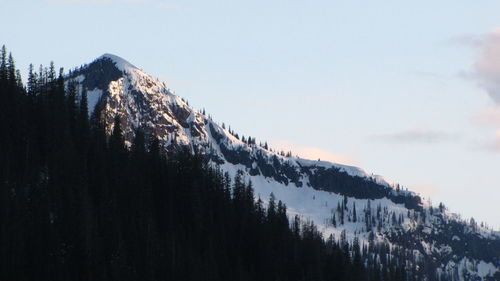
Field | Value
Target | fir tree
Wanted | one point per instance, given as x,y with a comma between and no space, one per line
354,215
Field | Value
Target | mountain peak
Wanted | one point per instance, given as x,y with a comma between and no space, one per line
119,62
312,189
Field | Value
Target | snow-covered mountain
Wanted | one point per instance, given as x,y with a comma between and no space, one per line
344,201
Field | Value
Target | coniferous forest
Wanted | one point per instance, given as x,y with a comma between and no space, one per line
77,204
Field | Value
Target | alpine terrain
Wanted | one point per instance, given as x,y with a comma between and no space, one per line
387,223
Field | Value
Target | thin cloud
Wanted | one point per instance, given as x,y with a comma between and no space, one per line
493,145
313,153
488,117
417,135
471,40
485,72
486,68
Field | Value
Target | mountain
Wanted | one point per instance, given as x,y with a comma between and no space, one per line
344,201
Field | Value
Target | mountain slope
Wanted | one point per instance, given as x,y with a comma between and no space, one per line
440,244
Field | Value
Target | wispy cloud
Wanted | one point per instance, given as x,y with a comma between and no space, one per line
416,135
488,117
485,71
309,152
494,144
471,40
486,68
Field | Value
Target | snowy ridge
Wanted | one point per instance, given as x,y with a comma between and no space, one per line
119,62
351,170
313,190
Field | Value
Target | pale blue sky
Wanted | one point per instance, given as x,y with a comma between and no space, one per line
405,89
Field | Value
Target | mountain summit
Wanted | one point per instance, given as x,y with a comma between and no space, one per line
119,62
344,201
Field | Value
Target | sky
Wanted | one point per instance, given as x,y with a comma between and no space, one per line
405,89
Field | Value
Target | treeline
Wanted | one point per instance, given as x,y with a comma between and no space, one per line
76,204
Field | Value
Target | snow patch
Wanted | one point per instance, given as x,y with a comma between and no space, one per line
93,97
120,63
485,269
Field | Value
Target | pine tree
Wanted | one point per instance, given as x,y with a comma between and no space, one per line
354,215
19,81
11,70
271,208
72,108
32,81
341,209
116,144
51,74
83,118
139,144
3,64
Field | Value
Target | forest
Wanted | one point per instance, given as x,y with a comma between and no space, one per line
77,204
